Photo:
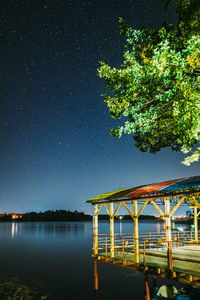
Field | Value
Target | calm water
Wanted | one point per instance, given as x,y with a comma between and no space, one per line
59,254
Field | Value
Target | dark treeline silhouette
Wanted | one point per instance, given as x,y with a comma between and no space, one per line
49,215
61,215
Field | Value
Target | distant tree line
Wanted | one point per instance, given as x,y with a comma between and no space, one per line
49,215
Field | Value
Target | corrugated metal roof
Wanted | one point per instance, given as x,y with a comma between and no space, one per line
166,188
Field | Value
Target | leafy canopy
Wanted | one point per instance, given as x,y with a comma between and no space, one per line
156,91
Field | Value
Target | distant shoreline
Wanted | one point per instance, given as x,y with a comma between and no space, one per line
70,216
49,215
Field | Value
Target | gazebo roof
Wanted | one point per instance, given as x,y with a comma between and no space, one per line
176,187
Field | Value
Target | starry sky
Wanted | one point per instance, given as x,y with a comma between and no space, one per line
55,147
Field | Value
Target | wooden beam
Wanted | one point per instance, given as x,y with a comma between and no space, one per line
99,209
177,205
128,209
116,210
148,198
156,206
106,209
193,200
143,206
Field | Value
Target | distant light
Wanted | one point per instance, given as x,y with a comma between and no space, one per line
16,216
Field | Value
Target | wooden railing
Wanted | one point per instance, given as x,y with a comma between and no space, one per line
150,244
152,238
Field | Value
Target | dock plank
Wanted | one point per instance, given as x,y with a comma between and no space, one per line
185,259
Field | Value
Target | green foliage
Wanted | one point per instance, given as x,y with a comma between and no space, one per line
156,89
188,12
15,289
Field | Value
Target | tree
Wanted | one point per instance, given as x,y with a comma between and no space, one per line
156,91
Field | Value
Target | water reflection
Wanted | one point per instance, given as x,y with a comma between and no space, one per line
59,253
120,227
158,227
95,295
51,229
156,287
57,229
14,230
173,225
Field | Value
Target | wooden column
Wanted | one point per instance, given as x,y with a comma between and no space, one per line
136,235
147,286
96,286
167,219
112,237
168,233
95,229
196,224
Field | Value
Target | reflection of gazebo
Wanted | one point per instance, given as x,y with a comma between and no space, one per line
160,249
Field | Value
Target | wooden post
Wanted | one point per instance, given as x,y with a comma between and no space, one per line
122,248
96,275
144,252
147,286
168,232
112,237
136,235
167,219
170,261
95,232
196,224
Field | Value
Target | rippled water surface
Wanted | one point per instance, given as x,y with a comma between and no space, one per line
59,254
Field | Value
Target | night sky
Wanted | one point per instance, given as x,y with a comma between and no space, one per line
55,147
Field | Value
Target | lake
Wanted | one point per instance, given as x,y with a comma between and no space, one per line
58,254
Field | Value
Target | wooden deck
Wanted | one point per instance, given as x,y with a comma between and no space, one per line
186,259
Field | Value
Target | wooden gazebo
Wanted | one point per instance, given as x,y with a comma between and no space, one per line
137,248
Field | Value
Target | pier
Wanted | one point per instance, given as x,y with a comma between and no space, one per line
168,253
